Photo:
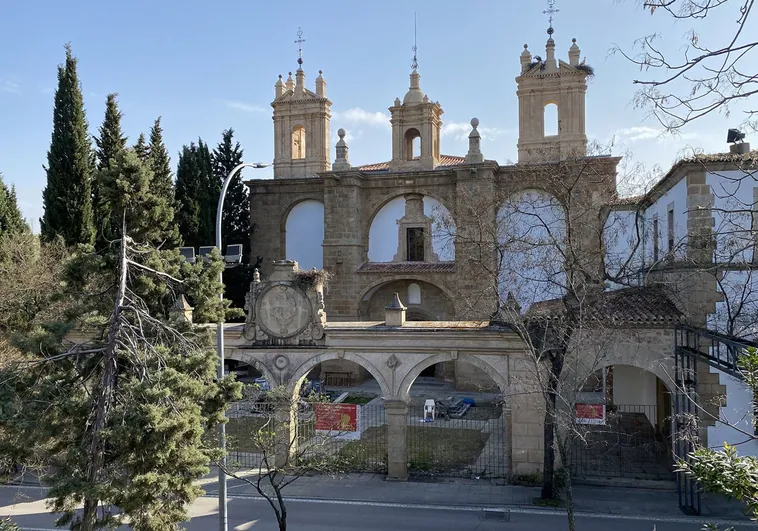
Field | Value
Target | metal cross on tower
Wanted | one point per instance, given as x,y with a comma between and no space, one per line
299,43
550,11
414,64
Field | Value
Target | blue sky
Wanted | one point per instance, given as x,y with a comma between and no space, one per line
206,66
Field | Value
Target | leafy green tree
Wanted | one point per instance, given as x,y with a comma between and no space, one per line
11,219
141,148
67,197
110,143
126,410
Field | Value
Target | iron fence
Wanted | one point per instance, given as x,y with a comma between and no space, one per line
627,443
457,441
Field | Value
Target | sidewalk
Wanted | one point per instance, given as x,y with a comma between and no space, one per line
463,492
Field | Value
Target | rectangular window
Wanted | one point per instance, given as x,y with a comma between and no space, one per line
415,242
656,235
671,230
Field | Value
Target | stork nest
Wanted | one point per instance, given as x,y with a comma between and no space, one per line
587,69
308,278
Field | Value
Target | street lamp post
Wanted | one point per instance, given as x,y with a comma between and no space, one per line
223,520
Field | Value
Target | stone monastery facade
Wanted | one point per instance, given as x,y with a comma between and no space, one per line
417,225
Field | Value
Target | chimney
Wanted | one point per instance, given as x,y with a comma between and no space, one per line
394,314
740,148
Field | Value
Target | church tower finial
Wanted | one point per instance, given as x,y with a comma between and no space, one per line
550,11
299,43
414,63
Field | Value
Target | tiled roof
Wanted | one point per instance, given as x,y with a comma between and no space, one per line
628,200
407,267
445,160
641,305
418,326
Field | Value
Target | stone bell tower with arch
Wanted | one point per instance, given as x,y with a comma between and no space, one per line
301,125
543,85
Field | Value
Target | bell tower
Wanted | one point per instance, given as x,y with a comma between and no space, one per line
301,124
551,95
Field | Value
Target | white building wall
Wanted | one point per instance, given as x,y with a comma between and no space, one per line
531,232
304,234
622,240
738,413
635,387
383,237
677,196
734,197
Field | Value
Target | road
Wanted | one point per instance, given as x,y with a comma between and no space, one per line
26,507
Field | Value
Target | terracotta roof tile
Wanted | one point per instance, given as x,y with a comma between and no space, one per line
445,161
407,267
640,305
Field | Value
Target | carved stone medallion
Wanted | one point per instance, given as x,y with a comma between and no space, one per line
283,311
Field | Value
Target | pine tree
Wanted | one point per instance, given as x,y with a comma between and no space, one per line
163,181
110,144
125,414
11,219
67,198
141,148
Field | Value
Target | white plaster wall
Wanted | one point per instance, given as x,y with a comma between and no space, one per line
531,232
305,234
733,199
622,242
737,313
738,412
635,387
383,234
677,195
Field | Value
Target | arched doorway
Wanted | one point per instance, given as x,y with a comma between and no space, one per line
456,428
622,421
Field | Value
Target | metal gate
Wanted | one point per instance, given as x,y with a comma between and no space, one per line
457,440
628,444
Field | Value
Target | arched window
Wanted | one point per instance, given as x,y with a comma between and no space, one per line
414,294
552,126
298,142
412,144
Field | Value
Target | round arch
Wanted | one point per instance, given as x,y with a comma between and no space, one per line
363,310
413,373
307,246
250,359
400,193
655,369
304,368
369,290
293,204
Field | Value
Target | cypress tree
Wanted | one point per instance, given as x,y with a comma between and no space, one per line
67,198
141,149
236,216
197,192
159,163
110,144
11,219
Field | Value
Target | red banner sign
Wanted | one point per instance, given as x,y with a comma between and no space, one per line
590,413
337,417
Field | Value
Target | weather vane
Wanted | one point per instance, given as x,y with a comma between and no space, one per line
299,43
414,64
550,11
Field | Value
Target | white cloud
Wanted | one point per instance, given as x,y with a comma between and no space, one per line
6,85
461,130
241,106
357,115
638,133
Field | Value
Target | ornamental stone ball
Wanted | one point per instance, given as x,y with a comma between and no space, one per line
475,122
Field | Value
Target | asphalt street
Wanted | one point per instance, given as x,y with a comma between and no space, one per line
27,508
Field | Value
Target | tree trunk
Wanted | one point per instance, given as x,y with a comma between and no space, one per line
107,384
548,489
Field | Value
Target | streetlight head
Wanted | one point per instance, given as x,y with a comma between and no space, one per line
260,165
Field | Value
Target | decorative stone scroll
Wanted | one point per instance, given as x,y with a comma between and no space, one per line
286,309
